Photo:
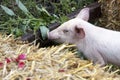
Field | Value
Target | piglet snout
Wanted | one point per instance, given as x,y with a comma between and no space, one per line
48,35
52,36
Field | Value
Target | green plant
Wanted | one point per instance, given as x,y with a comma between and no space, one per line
16,17
18,25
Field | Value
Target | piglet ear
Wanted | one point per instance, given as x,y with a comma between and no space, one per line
79,32
84,14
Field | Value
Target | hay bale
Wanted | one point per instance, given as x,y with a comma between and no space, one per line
110,14
52,63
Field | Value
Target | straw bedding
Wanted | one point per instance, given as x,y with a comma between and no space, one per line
51,63
110,14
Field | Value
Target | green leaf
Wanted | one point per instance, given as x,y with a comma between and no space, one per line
63,19
7,10
18,32
44,31
42,9
21,6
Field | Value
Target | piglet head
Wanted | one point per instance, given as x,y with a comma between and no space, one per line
71,31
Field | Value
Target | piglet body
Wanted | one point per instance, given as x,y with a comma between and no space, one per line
100,45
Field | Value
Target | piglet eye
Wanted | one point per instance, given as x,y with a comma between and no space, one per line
65,31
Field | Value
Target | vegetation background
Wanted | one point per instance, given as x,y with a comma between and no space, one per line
18,16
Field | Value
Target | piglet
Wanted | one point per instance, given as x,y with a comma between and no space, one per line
98,44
